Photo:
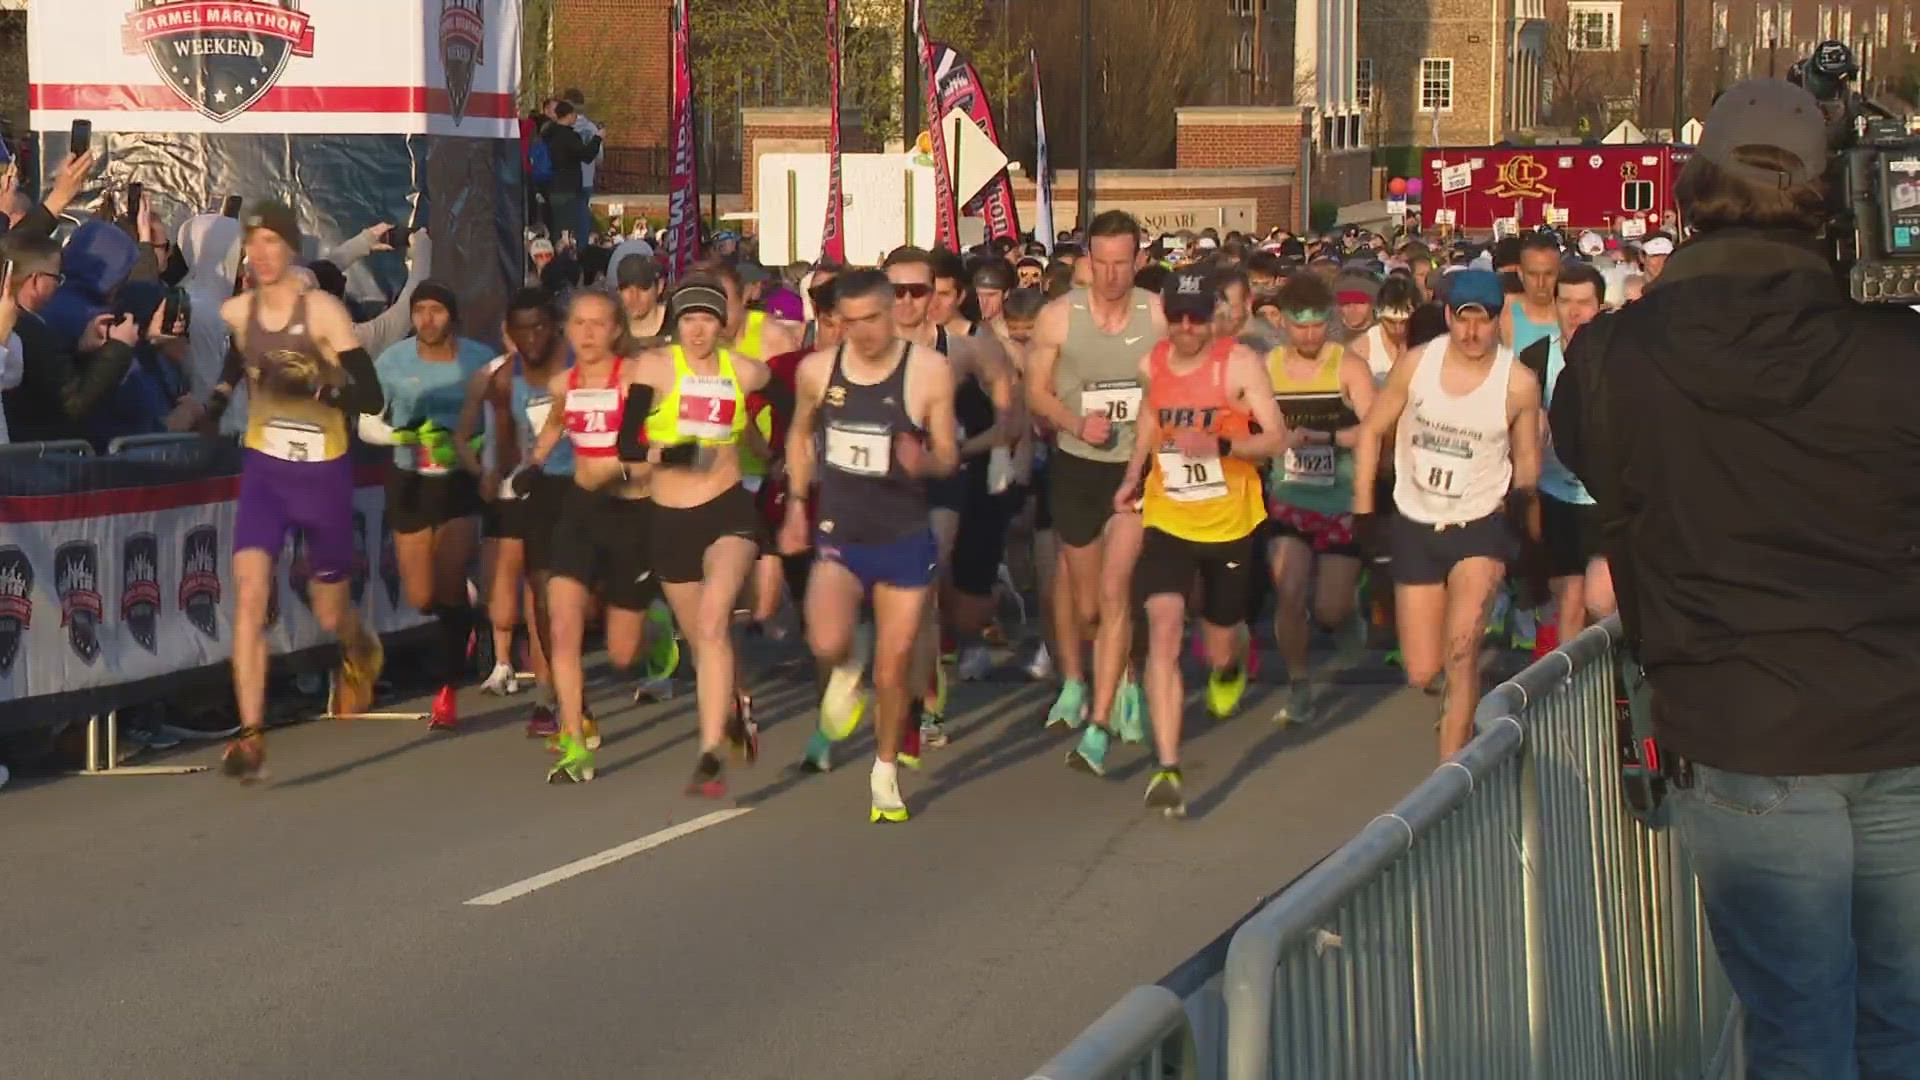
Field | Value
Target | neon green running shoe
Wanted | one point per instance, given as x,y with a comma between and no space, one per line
843,704
1224,690
663,648
1164,793
575,764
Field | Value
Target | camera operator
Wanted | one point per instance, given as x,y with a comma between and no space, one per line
1752,438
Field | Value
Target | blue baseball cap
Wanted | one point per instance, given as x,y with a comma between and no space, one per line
1475,288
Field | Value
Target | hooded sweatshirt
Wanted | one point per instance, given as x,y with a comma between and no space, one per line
1766,502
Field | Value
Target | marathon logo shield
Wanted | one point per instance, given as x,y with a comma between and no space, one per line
16,604
199,595
219,56
463,47
76,578
140,589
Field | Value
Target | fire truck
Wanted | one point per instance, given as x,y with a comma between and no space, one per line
1626,189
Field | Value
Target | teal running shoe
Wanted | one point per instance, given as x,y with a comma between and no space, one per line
1130,713
1070,708
818,756
1090,755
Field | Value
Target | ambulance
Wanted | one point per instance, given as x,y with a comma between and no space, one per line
1622,189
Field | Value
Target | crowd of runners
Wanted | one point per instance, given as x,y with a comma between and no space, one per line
1185,428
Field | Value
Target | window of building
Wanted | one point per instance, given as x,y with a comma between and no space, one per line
1245,8
1636,195
1844,32
1243,52
1826,21
1593,26
1786,26
1882,25
1436,84
1363,83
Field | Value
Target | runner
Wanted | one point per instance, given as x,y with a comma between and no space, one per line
1386,340
302,380
512,393
1535,317
1323,390
1201,508
1031,461
1354,294
638,279
870,401
1084,368
1581,584
706,532
432,505
601,520
985,419
992,281
1466,435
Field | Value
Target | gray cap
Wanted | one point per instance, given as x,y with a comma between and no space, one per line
1766,112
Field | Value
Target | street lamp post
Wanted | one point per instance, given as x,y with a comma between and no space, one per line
1084,211
1773,40
1719,56
1646,42
1679,66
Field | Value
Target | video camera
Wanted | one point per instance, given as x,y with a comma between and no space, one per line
1874,180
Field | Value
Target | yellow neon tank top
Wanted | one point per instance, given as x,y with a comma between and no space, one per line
708,409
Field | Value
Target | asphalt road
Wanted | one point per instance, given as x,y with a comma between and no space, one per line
319,925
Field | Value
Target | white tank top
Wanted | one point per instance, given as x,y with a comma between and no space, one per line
1377,356
1451,459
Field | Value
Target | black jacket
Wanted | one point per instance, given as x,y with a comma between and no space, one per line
1753,439
569,152
58,389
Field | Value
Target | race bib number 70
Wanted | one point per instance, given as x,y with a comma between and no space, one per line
1191,479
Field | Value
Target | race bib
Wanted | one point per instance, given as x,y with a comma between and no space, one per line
860,449
424,465
707,407
291,440
1119,399
590,417
538,409
1438,474
1311,465
1191,479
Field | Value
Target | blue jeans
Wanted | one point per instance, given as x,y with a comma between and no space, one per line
585,228
1812,890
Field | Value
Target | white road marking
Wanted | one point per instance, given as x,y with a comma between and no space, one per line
605,858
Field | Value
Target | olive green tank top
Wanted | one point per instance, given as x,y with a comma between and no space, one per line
1098,370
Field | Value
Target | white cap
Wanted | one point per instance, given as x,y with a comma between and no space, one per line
1592,243
1659,245
540,246
1206,243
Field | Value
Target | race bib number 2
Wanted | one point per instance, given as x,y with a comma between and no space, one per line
1191,479
707,406
290,440
1118,400
859,449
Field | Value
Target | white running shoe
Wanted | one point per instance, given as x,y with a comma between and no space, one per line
976,663
502,682
1040,668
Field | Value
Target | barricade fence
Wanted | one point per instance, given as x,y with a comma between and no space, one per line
116,581
1508,918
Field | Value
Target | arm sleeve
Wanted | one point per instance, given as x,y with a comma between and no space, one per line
779,394
388,328
632,444
375,431
362,394
235,364
349,251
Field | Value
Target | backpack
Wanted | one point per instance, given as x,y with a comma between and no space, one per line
540,163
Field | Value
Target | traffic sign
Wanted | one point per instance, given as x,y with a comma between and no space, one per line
972,158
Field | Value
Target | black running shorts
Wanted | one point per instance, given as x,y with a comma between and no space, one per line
1170,565
681,536
1425,555
416,503
600,541
1571,532
1082,496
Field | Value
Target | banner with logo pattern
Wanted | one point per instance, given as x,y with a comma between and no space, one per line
127,577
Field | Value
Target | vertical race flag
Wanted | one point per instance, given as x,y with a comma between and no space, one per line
1042,173
833,238
961,89
946,214
683,191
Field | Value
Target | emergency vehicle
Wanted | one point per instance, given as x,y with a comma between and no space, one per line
1624,189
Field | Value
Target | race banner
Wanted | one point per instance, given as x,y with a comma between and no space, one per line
833,238
683,198
960,88
105,586
946,231
1042,172
313,67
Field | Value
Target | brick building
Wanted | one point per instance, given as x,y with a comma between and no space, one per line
617,52
1452,72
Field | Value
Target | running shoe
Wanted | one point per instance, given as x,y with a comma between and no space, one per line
589,729
1090,755
818,756
743,734
843,703
975,664
245,758
1164,792
933,731
888,806
909,756
708,782
1295,704
1130,712
543,723
353,683
663,648
1070,708
1525,629
575,764
1041,666
446,711
502,682
1224,690
940,688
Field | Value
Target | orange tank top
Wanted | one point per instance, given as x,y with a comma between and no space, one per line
1207,499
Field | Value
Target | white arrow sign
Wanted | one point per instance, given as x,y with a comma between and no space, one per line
972,158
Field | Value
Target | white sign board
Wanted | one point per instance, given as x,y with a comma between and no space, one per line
1456,178
1396,206
972,158
1632,227
1623,134
1443,217
341,67
1557,215
888,202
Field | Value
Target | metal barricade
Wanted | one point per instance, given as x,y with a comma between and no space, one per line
59,448
169,447
1144,1037
1509,918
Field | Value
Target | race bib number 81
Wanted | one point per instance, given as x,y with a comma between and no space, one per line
860,450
